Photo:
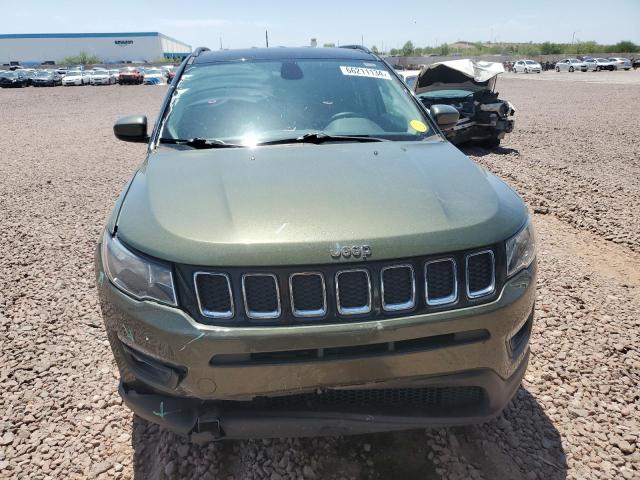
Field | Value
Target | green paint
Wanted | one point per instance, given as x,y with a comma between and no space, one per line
191,341
129,334
161,413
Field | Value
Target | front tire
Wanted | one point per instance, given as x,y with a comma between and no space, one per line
571,69
558,69
490,143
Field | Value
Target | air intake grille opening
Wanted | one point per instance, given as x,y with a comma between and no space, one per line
480,274
261,295
353,288
441,282
214,295
308,294
401,398
398,288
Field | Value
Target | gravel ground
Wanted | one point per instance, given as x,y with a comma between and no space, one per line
574,157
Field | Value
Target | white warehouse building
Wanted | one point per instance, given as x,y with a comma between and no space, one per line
35,48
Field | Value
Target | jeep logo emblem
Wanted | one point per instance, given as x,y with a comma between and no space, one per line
348,251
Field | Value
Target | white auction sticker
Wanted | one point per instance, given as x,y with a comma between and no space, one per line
365,72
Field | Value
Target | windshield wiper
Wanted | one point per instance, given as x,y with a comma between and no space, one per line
319,137
200,143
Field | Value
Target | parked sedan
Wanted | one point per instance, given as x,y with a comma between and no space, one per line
154,76
46,79
527,66
102,77
410,77
570,65
15,79
621,63
76,77
130,76
591,63
605,64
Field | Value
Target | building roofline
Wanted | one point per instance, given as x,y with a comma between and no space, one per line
89,35
167,37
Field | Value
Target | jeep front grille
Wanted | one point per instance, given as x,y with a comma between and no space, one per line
261,295
308,294
334,293
480,274
353,291
215,298
441,282
398,287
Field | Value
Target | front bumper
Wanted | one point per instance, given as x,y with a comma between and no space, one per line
169,376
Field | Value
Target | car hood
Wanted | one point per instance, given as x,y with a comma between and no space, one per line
470,74
291,204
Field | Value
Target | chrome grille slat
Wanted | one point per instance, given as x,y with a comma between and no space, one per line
294,294
349,297
254,294
443,271
478,273
216,299
394,286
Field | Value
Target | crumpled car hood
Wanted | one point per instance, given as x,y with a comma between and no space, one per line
473,74
291,204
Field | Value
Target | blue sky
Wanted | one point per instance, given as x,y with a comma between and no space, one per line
293,23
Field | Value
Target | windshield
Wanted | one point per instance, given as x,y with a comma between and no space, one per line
73,74
44,74
9,74
257,101
530,62
602,60
574,60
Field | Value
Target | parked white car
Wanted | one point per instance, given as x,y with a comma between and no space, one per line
154,76
527,66
115,74
621,63
102,77
591,63
605,64
570,65
409,77
76,77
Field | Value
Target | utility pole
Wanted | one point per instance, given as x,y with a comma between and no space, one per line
362,40
266,37
220,43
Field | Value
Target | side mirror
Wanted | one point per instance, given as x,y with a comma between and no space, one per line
131,129
445,116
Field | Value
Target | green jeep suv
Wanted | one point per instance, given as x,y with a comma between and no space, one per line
302,252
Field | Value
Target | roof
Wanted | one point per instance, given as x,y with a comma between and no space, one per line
279,53
88,35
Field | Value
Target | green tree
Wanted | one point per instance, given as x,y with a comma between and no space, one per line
329,45
374,49
83,58
548,48
394,51
444,49
407,49
624,46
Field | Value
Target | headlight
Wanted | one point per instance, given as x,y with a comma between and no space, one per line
140,277
521,249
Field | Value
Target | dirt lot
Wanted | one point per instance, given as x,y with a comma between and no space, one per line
575,157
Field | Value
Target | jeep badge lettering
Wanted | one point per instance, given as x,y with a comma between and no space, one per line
348,251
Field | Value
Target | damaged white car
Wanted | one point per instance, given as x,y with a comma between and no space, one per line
469,86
